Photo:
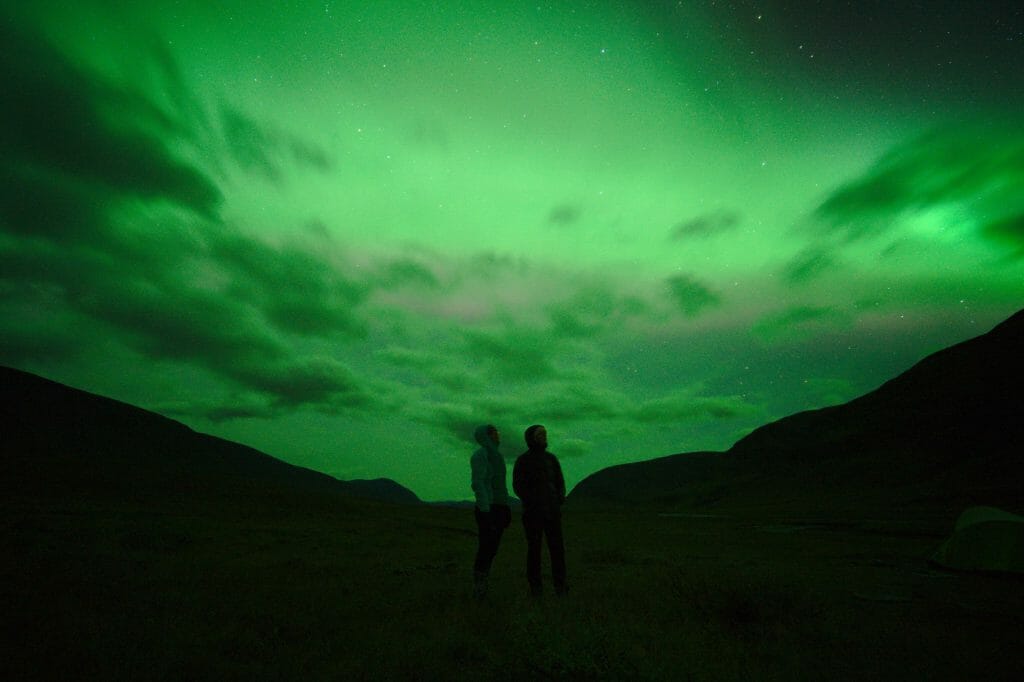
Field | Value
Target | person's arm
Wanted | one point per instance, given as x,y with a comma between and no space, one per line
481,480
559,480
517,479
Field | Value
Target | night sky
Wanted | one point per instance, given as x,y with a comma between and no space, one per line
345,233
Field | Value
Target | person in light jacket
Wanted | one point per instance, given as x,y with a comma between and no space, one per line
492,511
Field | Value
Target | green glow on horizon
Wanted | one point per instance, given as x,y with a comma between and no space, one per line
392,220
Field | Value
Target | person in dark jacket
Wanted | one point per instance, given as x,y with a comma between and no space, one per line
537,481
492,512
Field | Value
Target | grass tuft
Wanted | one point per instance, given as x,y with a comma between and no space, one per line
742,603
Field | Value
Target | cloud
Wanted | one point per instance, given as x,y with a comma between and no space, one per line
230,408
565,215
561,401
225,336
570,402
431,134
30,334
691,296
267,151
66,163
799,322
249,144
100,222
808,265
572,448
1009,230
704,226
456,419
298,291
593,308
321,382
977,169
513,354
830,391
407,272
63,160
432,370
686,407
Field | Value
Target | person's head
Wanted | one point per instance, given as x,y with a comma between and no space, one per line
487,435
536,437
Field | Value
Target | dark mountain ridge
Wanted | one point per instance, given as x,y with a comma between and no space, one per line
945,433
60,441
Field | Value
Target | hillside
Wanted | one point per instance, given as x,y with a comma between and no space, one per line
60,441
945,433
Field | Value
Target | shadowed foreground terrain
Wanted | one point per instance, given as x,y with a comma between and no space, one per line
332,588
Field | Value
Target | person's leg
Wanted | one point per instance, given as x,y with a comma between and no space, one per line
534,530
487,546
553,531
495,541
491,537
501,516
485,542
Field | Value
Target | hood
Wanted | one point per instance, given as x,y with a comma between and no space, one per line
536,437
482,437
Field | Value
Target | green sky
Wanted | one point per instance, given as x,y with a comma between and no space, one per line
346,233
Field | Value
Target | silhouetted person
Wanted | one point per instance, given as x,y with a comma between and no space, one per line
492,511
537,480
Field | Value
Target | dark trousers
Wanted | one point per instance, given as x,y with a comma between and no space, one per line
538,526
490,525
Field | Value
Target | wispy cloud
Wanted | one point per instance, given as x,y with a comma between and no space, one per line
298,291
799,322
686,407
691,296
565,215
1008,230
511,355
976,169
591,308
65,159
707,225
266,150
79,182
810,264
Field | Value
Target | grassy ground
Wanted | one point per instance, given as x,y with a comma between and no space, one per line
320,590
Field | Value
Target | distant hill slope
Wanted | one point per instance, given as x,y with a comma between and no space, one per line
59,441
947,432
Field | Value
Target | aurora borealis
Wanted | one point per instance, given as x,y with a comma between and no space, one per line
345,233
